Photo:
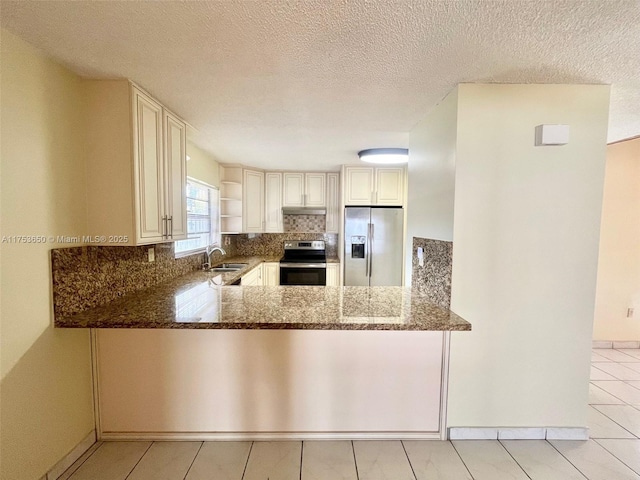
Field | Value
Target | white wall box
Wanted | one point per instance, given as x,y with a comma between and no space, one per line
333,203
304,189
333,274
136,166
374,186
273,202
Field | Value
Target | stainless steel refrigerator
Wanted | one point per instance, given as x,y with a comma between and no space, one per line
373,239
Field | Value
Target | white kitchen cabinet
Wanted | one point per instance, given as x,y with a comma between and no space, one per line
333,203
252,278
253,201
304,189
136,166
273,202
271,274
230,199
374,186
333,274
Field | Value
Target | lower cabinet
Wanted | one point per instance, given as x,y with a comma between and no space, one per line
271,274
333,274
253,278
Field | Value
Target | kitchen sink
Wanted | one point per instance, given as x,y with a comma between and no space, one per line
228,267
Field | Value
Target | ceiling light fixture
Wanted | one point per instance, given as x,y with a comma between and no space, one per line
384,155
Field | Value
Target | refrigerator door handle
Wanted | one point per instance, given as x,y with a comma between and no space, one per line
370,259
368,253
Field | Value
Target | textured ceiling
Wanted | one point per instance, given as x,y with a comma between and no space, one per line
306,84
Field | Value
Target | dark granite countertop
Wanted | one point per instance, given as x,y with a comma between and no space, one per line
198,300
227,278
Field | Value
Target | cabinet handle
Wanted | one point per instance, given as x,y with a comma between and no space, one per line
164,226
170,226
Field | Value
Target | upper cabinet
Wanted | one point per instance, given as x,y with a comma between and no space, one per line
304,190
136,166
374,186
253,201
333,202
273,202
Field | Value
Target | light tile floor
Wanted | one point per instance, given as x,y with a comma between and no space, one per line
613,453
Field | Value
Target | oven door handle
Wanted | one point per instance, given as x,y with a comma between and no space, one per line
303,265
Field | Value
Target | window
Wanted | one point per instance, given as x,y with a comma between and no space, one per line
203,219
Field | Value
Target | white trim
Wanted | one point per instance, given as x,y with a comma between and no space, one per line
626,344
69,459
519,433
96,391
228,436
567,433
601,344
615,344
444,384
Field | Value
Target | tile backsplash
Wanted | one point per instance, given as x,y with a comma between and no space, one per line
305,223
86,277
272,244
434,277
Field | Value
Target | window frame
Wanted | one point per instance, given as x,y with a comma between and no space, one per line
215,221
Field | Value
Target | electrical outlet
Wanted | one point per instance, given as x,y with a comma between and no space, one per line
151,254
227,241
630,312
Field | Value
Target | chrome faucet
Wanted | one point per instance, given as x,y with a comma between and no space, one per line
209,250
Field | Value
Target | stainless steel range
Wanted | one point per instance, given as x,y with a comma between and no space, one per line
304,263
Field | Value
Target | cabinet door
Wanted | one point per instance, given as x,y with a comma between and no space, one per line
333,202
148,161
175,158
315,189
358,185
389,186
293,190
273,202
253,201
271,274
333,275
252,278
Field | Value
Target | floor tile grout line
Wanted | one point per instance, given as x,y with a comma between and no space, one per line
609,393
616,350
409,460
619,424
83,462
301,456
614,455
355,461
461,459
139,460
570,462
247,461
193,461
514,459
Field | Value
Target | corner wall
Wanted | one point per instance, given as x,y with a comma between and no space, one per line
431,177
202,166
46,389
525,251
619,260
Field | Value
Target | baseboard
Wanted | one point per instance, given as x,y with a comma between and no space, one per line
249,436
518,433
615,344
71,457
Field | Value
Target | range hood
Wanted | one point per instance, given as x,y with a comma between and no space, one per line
304,211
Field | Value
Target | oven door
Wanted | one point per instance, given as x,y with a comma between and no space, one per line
303,273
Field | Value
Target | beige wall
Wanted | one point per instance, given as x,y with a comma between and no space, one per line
46,392
202,166
619,261
526,232
431,176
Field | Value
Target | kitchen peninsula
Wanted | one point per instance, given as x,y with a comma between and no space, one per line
191,359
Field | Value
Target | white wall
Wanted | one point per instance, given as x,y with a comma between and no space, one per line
619,260
526,231
202,166
47,406
431,176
